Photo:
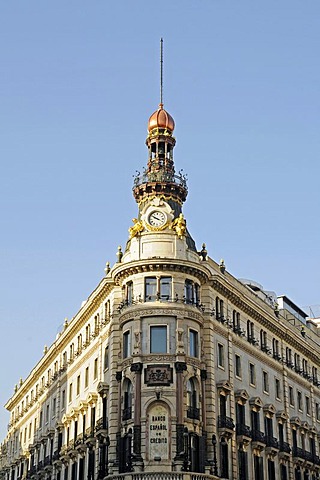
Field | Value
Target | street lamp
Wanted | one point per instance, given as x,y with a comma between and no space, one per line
214,462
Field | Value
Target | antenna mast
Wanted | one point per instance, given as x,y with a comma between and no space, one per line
161,72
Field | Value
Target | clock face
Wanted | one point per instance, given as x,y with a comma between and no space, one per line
157,218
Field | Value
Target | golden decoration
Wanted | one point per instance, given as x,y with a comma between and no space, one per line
136,228
179,225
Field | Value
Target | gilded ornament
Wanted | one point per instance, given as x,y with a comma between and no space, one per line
179,225
136,228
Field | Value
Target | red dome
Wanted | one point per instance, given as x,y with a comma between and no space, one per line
161,119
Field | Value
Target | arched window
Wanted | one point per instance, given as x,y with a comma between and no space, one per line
193,410
127,400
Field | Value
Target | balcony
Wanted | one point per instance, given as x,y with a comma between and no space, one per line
284,447
193,413
127,413
258,440
272,444
225,425
163,299
243,433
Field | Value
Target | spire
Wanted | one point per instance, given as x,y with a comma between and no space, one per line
161,72
159,178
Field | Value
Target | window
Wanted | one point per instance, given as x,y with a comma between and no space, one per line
318,412
95,369
238,366
250,333
64,359
150,289
265,382
107,310
106,357
297,365
127,400
192,401
252,374
278,389
299,400
289,361
41,418
54,406
165,288
88,334
86,377
219,310
291,397
315,375
78,385
70,392
191,292
79,348
129,293
220,355
30,430
158,339
63,399
263,340
71,351
307,405
193,343
126,344
275,348
236,322
47,413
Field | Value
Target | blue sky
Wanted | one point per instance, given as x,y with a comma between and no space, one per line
78,83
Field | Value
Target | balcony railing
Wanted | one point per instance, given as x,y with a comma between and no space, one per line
193,412
225,422
272,442
258,436
162,299
161,176
244,430
127,413
284,447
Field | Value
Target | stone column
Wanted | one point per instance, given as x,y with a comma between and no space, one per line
137,368
180,447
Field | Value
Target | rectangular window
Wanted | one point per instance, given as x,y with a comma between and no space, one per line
318,412
150,289
238,366
86,377
299,400
291,397
70,392
278,389
63,399
220,355
47,413
78,385
252,374
30,430
165,288
126,344
194,349
307,405
54,405
265,382
95,369
158,339
129,293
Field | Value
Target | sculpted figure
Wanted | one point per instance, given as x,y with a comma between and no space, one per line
136,228
179,225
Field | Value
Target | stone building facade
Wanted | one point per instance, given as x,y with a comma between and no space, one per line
173,368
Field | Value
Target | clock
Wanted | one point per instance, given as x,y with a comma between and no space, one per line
157,218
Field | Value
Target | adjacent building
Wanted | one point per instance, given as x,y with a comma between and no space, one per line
173,368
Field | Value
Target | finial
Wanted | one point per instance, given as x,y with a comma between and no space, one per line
20,382
222,266
119,254
161,73
107,268
203,253
45,349
65,323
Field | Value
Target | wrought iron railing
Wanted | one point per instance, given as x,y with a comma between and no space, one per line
127,413
161,176
242,429
160,298
272,442
193,412
225,422
284,447
258,436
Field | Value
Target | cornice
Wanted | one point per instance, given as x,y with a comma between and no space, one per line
265,318
160,265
